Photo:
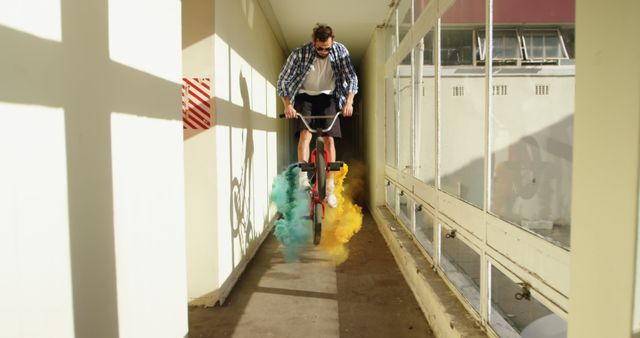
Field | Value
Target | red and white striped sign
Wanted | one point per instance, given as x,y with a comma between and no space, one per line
196,108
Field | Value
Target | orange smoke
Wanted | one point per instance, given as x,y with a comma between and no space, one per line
342,222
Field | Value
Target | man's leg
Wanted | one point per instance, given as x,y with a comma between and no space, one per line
303,155
330,147
303,146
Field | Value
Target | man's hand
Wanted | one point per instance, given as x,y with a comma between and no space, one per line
347,110
290,112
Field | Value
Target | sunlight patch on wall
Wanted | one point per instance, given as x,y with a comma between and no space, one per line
271,100
198,57
149,230
258,92
241,160
236,81
223,150
272,165
146,43
41,18
261,182
221,83
240,80
35,261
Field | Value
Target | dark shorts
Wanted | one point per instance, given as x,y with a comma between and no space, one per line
316,105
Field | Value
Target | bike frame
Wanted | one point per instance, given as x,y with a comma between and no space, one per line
320,167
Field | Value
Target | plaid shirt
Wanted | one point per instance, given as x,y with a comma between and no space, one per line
299,64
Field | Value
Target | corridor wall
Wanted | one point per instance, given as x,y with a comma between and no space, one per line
91,175
230,166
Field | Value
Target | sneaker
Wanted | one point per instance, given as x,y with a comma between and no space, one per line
332,201
303,181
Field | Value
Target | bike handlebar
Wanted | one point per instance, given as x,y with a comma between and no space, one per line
306,124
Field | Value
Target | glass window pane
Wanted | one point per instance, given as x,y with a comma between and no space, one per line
418,8
425,114
391,197
391,112
405,18
569,40
456,46
461,264
532,138
424,230
462,102
405,124
391,38
512,317
406,209
506,45
543,44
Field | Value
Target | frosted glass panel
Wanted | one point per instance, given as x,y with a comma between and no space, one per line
424,230
391,113
461,264
515,312
405,18
406,209
405,122
532,127
425,112
462,101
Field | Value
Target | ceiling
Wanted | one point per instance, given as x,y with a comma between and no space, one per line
353,21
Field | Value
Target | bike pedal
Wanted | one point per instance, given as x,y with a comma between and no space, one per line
306,166
335,166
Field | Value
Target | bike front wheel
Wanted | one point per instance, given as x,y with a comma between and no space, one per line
317,223
321,168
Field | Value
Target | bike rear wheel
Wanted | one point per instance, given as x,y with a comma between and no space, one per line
317,223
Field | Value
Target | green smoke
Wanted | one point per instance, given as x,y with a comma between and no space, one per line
293,230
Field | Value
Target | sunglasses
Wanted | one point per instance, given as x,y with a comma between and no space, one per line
320,49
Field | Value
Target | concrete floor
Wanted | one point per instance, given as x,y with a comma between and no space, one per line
366,296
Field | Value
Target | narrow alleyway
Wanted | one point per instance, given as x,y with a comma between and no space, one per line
364,297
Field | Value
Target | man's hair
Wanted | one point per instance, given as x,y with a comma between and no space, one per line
322,32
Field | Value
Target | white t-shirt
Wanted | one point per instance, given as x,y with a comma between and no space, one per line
320,79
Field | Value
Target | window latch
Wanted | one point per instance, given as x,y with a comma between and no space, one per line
451,234
525,293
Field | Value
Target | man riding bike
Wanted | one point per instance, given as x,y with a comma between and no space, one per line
318,79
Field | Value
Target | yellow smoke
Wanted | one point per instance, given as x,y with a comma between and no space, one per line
340,223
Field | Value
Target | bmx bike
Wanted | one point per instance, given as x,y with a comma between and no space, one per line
318,166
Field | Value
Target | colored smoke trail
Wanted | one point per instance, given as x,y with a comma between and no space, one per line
293,230
341,223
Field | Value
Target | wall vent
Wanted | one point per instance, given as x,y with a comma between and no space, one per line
500,90
458,90
542,90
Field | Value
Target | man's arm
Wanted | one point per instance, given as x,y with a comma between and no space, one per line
289,111
287,75
349,73
347,110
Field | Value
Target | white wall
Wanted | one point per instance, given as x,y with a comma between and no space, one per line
230,167
200,161
91,197
605,171
373,92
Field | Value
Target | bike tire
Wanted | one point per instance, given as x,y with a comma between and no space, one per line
321,168
317,223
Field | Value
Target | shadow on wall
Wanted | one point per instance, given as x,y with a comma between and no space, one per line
531,178
198,24
78,76
198,21
241,194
